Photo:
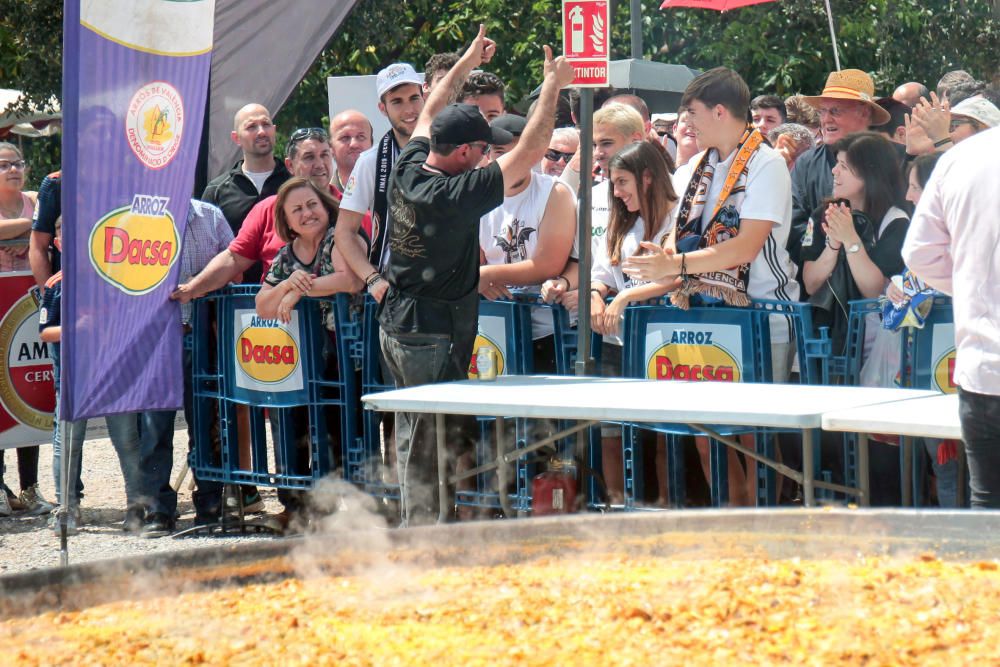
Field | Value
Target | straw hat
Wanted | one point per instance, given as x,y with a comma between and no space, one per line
851,84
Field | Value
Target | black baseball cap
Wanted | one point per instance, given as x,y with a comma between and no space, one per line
511,123
463,123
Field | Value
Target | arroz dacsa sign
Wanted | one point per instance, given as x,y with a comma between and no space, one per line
943,358
697,352
268,353
134,247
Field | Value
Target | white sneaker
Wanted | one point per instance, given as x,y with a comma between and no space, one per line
34,503
73,521
5,508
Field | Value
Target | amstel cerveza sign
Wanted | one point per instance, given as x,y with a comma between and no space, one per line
134,247
26,387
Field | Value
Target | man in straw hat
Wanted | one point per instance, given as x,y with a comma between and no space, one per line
847,104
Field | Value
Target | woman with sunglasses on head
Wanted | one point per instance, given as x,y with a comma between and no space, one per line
16,210
642,198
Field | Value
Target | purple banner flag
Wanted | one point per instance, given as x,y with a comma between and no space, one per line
135,80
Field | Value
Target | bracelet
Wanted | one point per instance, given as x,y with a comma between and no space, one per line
684,268
830,246
373,278
942,142
594,290
368,288
561,276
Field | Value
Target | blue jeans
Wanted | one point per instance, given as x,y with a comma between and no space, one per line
156,437
946,475
980,415
124,433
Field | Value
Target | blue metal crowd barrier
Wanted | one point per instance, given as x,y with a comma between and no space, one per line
928,362
927,357
242,359
711,343
287,370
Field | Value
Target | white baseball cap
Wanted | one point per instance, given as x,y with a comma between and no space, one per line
395,75
978,108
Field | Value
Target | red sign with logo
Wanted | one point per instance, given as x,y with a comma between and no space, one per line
586,39
27,395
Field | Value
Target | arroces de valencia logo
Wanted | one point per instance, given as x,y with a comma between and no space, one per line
154,124
133,247
266,352
693,355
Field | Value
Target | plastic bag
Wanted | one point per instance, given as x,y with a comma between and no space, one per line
881,368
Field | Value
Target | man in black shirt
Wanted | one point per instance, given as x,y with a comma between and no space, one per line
436,196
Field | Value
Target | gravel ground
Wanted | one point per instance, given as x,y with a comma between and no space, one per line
26,543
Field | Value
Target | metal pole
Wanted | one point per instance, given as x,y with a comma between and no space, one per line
636,28
584,358
833,36
64,507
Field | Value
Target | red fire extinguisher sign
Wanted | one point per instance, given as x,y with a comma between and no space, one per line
586,37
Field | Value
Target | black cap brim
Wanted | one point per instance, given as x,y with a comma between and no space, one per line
500,137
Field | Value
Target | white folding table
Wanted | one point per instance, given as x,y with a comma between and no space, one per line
592,399
929,417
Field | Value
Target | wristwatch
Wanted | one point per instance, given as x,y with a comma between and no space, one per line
851,249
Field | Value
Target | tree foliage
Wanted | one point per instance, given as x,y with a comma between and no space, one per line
781,47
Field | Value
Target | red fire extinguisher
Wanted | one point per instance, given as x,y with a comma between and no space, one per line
554,491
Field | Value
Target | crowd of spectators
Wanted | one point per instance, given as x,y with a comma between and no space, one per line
731,197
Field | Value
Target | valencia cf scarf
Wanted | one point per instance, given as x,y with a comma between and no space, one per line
728,285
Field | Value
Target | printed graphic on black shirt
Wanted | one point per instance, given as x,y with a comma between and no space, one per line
403,238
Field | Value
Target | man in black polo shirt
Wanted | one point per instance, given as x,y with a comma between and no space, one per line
436,196
257,176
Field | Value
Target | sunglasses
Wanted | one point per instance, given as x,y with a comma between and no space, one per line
959,122
304,133
553,155
483,146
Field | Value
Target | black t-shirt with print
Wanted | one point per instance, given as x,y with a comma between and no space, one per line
433,267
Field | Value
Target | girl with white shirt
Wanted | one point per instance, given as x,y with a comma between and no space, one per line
641,200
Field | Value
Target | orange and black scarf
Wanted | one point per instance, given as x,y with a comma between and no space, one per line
728,285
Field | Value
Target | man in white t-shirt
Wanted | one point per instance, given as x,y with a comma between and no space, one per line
401,98
717,103
730,227
527,240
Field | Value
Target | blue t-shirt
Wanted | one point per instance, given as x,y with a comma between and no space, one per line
47,209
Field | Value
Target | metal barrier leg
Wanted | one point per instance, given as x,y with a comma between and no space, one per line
628,465
808,467
864,481
442,457
676,486
718,457
906,447
502,476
